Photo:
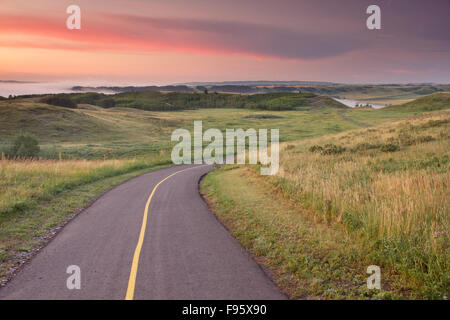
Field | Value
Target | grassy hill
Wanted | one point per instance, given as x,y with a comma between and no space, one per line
432,102
436,101
378,94
48,122
90,131
375,94
173,101
342,202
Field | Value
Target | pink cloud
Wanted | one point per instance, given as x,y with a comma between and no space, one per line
133,33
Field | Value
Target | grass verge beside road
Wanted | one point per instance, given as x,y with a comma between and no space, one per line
339,203
306,258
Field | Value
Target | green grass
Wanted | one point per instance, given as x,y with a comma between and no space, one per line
49,123
91,132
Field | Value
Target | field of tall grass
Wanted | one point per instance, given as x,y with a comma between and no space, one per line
23,182
388,186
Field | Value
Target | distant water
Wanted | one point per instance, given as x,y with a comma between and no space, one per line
22,88
15,89
352,103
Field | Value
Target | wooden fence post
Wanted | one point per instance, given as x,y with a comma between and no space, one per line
3,156
60,156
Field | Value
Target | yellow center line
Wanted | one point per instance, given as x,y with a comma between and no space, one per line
137,251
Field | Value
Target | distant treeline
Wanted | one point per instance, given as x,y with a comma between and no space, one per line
180,88
191,89
328,89
61,100
173,101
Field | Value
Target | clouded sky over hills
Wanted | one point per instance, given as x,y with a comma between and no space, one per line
163,41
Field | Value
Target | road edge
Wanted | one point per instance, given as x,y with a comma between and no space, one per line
265,271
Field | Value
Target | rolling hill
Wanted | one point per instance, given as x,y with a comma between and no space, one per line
90,131
432,102
48,122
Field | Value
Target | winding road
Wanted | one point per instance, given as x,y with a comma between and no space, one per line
152,237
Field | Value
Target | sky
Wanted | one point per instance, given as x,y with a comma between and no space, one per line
145,42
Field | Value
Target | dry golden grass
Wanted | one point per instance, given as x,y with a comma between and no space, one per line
397,201
25,181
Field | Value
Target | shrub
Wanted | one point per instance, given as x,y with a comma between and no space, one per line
87,98
422,139
405,139
97,99
435,123
262,116
389,147
315,148
327,149
60,100
26,146
332,149
107,103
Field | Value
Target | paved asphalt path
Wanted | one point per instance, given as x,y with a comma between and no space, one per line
186,253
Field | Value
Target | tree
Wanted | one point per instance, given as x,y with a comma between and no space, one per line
107,103
60,100
26,146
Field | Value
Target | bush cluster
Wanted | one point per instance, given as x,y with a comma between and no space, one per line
327,149
24,146
60,100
